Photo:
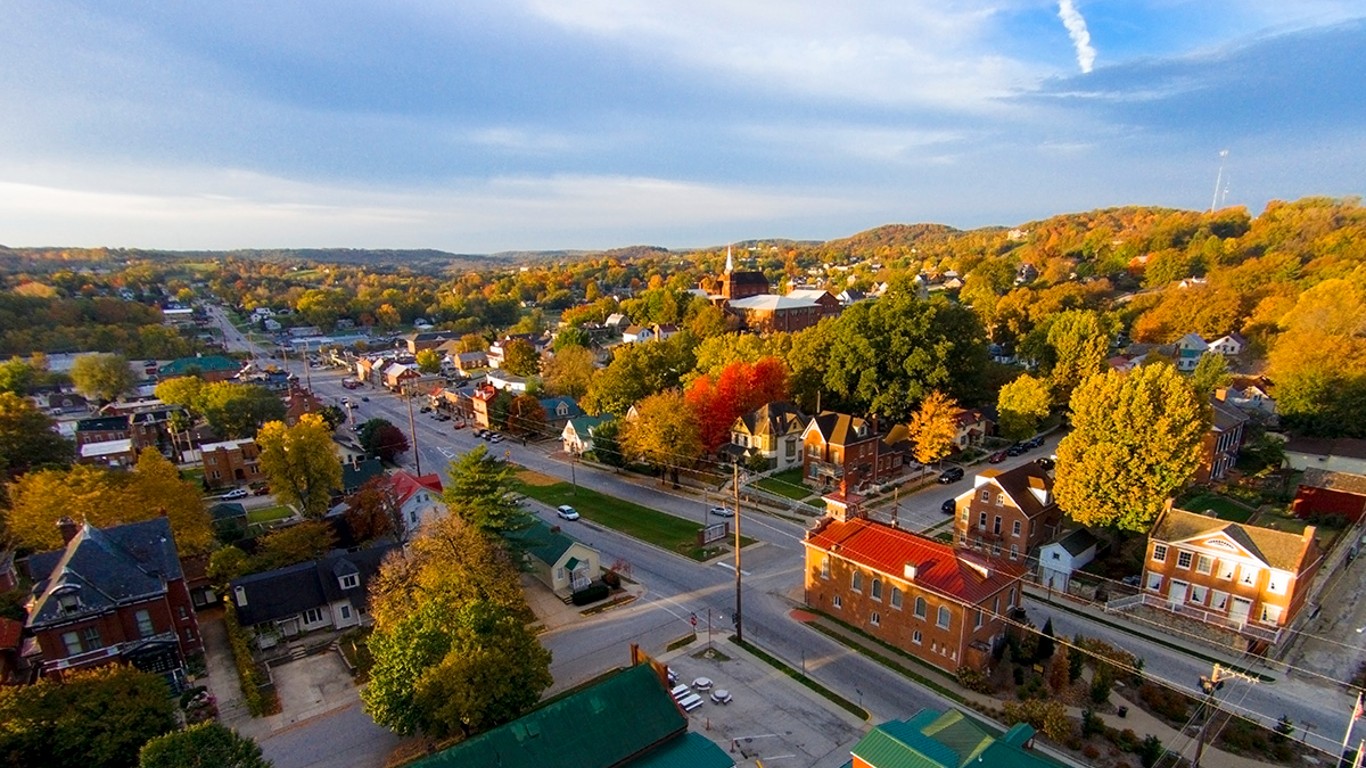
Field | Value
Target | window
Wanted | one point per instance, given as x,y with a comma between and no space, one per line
996,527
896,597
917,638
559,574
313,615
1219,601
1000,499
350,581
1014,551
858,582
986,494
1183,559
144,620
996,605
346,612
982,521
1226,568
1204,564
72,642
1198,594
876,619
1249,576
839,603
181,612
944,617
90,637
1015,529
1271,614
825,566
977,624
1154,581
1276,582
1159,553
920,607
875,589
1011,604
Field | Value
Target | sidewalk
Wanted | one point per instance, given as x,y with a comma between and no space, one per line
1138,720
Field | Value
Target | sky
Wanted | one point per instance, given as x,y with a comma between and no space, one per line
480,126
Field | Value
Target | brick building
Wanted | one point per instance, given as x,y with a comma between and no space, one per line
1007,513
232,463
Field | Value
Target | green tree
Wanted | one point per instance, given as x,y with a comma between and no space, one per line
520,358
17,376
1135,442
184,391
1022,405
301,464
101,376
637,371
226,564
573,336
239,410
570,371
664,433
91,719
932,427
379,437
429,361
203,745
298,543
607,444
1079,339
1211,373
478,493
28,439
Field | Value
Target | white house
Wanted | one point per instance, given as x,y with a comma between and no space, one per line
1189,350
321,594
1058,559
561,563
1343,454
577,435
1229,344
418,499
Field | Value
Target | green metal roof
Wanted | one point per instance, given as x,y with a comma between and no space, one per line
950,739
692,750
542,543
571,563
183,365
607,725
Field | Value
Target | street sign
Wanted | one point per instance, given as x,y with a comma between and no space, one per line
713,532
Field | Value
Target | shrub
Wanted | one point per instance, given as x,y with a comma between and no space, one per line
590,594
1127,740
1149,751
973,679
1048,717
1090,723
1090,752
1100,685
612,579
1284,727
1164,702
248,673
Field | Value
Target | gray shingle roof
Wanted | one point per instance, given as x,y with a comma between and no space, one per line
292,590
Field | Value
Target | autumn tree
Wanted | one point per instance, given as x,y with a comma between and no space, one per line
664,433
18,376
301,464
569,371
526,416
237,411
1135,442
1319,361
28,439
98,718
202,745
1079,340
933,429
520,358
477,491
1022,405
453,652
379,437
101,376
428,361
637,371
737,389
159,488
373,510
299,543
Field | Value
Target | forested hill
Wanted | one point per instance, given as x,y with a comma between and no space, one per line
426,259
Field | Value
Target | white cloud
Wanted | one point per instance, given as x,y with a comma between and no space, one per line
1081,37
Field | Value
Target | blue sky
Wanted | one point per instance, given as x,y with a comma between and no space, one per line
479,126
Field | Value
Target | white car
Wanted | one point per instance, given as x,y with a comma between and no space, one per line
722,512
237,493
567,512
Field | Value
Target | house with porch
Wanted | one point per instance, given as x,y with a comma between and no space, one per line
1007,513
971,425
417,498
558,412
231,463
773,431
1189,349
577,435
331,593
839,448
558,561
1244,578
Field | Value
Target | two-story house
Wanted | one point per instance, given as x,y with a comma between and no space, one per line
110,595
773,431
1189,349
945,606
331,593
1222,441
837,447
231,463
970,426
417,499
1246,578
558,412
1007,513
577,435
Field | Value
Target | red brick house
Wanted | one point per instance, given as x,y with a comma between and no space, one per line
232,463
1008,513
837,447
1221,443
111,595
944,606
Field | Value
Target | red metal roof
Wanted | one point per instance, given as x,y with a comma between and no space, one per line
964,576
406,484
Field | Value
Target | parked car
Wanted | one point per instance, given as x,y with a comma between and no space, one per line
721,512
949,507
443,417
425,409
261,490
951,475
1017,449
1034,442
567,512
479,433
997,457
1046,463
459,424
365,398
237,493
496,437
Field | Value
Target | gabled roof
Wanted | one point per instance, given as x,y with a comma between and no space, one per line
776,418
958,575
1278,549
840,428
358,474
611,723
182,366
1226,417
105,567
552,404
582,425
1078,541
227,510
770,302
748,277
406,484
1019,483
543,543
285,592
931,739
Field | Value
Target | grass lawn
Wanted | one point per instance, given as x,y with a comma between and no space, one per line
268,514
662,530
786,483
1224,507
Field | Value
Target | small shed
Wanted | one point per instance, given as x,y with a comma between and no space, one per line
1059,558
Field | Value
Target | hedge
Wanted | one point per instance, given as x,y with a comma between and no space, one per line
248,674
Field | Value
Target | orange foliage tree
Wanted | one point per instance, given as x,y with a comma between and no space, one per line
739,388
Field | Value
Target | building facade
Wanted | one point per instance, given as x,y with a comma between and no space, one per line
837,447
231,463
1008,514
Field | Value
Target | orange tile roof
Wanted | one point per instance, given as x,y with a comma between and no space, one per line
964,576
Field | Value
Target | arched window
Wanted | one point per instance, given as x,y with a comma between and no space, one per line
858,582
876,589
944,616
896,597
920,607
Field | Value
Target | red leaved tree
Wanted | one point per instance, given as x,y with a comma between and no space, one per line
738,389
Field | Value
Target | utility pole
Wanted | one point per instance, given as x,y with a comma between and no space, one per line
412,431
1211,685
739,618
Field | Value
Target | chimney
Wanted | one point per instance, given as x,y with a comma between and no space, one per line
1221,394
68,528
909,571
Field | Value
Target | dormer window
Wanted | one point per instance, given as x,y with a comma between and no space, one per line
349,581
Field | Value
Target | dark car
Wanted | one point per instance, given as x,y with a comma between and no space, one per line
1017,449
949,507
951,475
1046,463
998,457
1034,442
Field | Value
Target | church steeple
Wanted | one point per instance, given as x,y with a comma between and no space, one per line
730,261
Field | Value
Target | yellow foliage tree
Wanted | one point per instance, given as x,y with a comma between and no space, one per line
932,427
301,463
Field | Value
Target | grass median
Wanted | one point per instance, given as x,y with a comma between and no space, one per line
652,526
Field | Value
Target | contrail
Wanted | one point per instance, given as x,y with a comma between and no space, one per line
1081,38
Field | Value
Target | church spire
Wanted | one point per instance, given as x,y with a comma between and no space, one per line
730,261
